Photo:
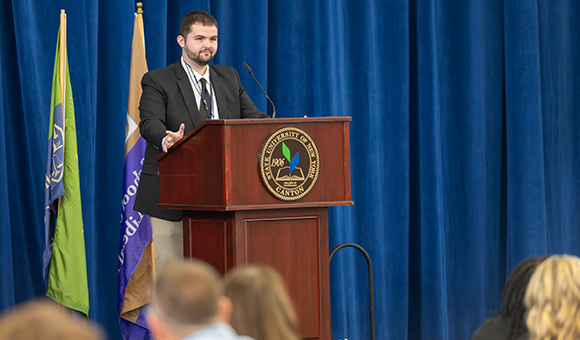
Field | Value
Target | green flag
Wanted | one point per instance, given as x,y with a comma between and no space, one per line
65,259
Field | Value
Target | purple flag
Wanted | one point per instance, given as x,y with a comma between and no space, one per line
136,265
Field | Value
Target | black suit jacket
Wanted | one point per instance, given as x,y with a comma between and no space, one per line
166,102
497,328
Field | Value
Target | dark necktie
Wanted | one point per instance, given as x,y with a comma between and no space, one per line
202,108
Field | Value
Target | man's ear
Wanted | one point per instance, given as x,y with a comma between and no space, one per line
225,307
181,40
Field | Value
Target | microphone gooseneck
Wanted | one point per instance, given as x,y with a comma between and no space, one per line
252,74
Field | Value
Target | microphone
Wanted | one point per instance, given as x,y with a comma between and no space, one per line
252,74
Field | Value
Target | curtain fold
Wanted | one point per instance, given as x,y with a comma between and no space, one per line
526,204
558,48
465,139
7,296
427,210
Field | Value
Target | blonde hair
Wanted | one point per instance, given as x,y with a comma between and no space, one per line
44,320
553,299
262,308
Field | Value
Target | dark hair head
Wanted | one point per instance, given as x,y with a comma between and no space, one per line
196,17
512,297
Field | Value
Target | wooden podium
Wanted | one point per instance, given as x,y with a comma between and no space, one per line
231,219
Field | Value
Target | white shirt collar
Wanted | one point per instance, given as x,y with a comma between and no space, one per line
197,75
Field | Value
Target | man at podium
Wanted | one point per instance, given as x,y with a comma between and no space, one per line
175,100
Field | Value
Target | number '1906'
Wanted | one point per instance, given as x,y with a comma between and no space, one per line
277,162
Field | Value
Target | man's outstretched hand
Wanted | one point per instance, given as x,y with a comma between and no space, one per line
172,137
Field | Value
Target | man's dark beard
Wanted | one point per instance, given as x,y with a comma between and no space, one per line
197,58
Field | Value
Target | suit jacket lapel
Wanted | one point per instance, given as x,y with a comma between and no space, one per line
187,93
219,93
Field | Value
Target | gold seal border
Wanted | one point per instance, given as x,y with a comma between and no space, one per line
261,164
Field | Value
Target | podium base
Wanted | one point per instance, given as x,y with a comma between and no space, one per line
294,241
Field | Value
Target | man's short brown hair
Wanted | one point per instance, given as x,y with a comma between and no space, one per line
196,17
187,293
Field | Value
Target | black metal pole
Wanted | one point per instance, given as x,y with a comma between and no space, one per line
371,285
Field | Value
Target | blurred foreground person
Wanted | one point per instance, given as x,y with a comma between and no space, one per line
553,299
188,304
44,320
511,323
261,306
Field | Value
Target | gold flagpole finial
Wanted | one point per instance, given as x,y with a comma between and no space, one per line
139,8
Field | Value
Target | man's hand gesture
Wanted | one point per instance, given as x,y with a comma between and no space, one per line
172,137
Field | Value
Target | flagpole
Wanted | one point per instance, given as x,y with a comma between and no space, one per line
62,68
140,21
62,59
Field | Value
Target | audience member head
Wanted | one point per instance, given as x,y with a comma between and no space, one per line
45,320
553,299
187,296
512,299
262,308
196,18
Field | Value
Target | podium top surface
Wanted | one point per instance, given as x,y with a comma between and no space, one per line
259,121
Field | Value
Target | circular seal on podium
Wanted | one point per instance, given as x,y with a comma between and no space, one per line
289,163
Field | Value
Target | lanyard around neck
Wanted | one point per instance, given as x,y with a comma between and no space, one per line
199,89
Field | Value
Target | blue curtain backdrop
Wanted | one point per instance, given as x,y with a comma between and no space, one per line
465,141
